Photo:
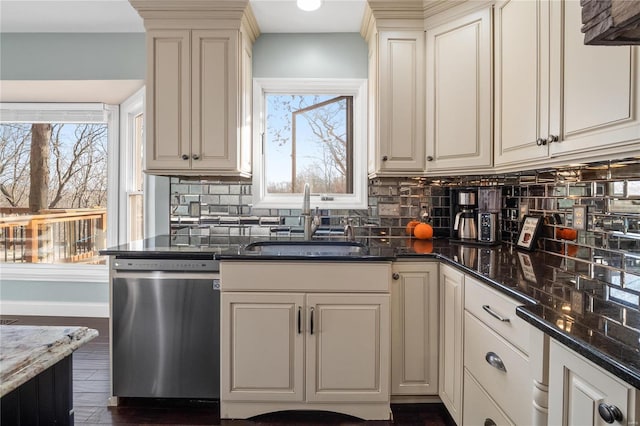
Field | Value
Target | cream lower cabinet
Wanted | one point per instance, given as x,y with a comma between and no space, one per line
307,349
414,328
504,361
451,342
582,394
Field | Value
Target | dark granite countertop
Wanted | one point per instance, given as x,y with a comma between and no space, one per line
592,309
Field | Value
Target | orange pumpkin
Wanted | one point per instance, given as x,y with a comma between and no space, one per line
423,231
411,226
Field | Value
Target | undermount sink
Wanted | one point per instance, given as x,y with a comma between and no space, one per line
307,248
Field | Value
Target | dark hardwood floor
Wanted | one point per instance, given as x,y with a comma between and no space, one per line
91,392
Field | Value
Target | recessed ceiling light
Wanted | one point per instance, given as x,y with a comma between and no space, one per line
309,5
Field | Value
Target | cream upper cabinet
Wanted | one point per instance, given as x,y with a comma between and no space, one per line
459,94
414,328
451,340
581,393
555,98
521,80
396,108
198,89
595,91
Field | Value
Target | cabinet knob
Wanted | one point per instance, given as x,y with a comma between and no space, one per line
552,138
395,276
385,158
185,157
429,158
195,156
489,422
541,142
609,413
495,361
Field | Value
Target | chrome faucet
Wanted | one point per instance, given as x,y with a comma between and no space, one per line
310,222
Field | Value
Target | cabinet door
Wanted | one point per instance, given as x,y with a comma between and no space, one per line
459,85
262,347
522,80
577,387
214,109
594,89
168,99
401,144
414,329
451,340
347,348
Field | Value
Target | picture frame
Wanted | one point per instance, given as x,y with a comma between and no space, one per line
529,232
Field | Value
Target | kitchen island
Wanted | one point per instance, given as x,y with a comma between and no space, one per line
36,373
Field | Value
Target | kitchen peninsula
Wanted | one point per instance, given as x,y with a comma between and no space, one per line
36,373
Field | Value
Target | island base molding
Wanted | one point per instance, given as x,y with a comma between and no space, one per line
245,410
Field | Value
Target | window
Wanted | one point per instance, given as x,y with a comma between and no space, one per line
72,227
311,131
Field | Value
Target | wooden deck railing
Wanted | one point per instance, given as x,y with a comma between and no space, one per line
53,236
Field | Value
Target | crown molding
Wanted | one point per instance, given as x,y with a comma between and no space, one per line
197,14
250,24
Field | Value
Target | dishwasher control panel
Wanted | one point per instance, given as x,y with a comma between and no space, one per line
179,265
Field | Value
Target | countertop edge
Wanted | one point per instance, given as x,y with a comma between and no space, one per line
45,357
584,349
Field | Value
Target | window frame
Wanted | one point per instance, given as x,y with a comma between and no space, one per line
71,113
348,87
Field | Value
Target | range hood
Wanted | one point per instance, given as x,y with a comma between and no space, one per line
611,22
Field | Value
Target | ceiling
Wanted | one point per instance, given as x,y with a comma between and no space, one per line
273,16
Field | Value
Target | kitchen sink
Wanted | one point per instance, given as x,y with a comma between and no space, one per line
307,248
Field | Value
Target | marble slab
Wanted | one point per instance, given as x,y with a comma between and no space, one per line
26,351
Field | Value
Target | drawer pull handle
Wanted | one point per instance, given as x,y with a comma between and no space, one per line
609,413
489,422
495,361
299,319
491,312
311,322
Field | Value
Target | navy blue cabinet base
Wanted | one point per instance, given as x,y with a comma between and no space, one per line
46,399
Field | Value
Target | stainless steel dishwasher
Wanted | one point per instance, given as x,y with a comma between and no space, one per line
166,327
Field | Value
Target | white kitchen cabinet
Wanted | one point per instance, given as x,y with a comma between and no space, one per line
521,80
265,348
578,389
459,94
396,106
556,99
595,90
504,356
414,328
316,337
450,379
198,90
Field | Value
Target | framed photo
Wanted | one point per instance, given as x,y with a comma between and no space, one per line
529,232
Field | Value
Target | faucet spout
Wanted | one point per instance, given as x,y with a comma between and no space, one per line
310,222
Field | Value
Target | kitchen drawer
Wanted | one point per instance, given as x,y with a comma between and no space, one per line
512,389
485,302
479,408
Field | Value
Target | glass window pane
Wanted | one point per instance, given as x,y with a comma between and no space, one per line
309,139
